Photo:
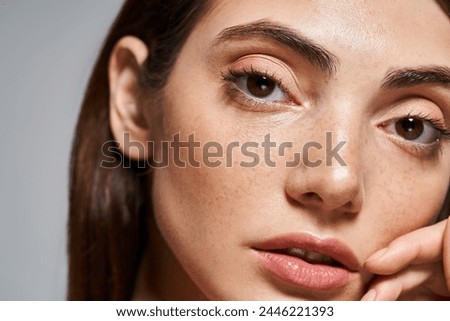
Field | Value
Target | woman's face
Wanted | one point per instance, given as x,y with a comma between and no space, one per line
355,96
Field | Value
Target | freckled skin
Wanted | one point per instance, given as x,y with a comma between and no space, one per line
209,216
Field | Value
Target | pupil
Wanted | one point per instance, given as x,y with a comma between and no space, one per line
409,128
260,86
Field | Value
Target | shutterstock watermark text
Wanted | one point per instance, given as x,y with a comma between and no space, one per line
189,152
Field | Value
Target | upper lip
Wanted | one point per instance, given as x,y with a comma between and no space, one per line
333,248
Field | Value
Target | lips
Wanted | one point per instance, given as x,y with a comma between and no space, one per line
308,262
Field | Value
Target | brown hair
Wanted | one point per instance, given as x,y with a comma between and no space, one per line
108,212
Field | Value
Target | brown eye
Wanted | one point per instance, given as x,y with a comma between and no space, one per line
409,128
414,130
260,86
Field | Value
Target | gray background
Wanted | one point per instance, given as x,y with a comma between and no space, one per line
47,48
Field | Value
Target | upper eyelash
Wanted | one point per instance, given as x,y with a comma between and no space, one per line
436,123
233,76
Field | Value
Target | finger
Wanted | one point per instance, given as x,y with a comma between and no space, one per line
410,281
424,245
389,288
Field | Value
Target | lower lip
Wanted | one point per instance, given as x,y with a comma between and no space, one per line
303,274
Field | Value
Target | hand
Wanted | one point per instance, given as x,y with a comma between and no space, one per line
415,266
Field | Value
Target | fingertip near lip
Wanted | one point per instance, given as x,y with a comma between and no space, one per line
376,256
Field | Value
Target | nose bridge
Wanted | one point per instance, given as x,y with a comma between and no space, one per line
337,141
331,175
341,169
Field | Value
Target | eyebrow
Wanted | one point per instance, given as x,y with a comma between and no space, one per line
408,77
317,55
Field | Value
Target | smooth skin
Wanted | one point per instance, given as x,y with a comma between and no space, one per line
386,198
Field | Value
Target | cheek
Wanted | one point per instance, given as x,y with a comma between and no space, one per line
201,204
402,195
205,214
197,206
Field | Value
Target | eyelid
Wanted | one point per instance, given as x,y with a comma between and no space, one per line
414,105
269,67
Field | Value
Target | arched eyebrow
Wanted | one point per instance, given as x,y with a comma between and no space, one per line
408,77
317,55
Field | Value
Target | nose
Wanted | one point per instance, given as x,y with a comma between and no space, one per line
334,186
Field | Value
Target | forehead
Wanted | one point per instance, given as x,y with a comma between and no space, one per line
391,32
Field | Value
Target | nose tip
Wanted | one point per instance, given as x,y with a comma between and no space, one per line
328,189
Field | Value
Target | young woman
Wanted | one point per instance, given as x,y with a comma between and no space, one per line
248,150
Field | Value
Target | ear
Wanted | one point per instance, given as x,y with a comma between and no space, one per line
127,118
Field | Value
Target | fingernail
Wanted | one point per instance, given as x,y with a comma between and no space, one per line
370,296
377,255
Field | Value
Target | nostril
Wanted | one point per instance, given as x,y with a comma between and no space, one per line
306,199
311,196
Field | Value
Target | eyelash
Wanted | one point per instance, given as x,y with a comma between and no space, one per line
429,149
232,76
436,123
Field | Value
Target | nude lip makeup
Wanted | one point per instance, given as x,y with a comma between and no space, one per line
306,261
